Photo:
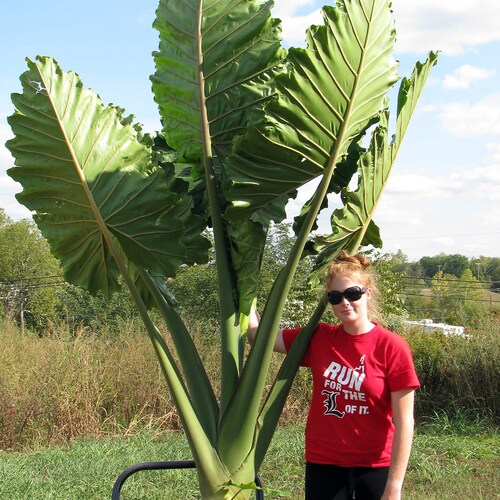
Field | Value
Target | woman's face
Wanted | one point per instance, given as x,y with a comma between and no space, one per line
350,313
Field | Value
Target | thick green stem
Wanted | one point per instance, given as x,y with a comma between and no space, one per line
230,344
200,388
211,471
230,332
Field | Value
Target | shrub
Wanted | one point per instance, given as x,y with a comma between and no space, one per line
458,373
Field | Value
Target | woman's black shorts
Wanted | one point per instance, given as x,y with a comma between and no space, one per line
330,482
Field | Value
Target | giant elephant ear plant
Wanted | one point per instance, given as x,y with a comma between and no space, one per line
245,124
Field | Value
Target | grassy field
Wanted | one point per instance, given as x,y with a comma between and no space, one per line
449,461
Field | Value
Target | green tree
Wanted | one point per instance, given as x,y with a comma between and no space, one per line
471,286
245,124
78,309
469,308
457,300
430,265
29,275
444,295
4,218
398,262
454,264
391,285
418,303
195,287
303,295
492,270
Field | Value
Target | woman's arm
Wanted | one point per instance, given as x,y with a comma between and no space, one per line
279,344
402,409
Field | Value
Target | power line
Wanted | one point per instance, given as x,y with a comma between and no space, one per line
452,297
31,278
453,280
31,283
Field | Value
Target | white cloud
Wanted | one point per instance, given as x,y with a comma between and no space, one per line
428,214
452,26
430,226
427,108
478,182
462,184
294,32
443,241
494,156
6,159
411,185
392,212
8,202
8,187
462,77
294,26
304,193
458,212
284,7
481,118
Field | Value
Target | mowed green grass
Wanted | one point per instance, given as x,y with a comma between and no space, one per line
446,463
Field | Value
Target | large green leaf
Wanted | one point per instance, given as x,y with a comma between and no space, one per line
90,182
333,92
353,223
212,71
101,204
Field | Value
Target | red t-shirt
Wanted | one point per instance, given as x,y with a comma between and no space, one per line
350,418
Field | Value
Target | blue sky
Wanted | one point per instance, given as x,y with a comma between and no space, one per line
444,191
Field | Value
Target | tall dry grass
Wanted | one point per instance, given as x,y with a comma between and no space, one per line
55,388
70,384
61,386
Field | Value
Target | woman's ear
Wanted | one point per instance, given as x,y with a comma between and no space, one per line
368,293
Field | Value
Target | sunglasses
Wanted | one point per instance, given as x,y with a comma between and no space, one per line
352,294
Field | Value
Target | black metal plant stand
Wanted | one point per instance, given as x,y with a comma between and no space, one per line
173,464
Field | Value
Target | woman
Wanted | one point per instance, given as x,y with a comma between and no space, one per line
360,424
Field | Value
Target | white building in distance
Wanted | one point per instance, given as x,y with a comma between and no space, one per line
428,326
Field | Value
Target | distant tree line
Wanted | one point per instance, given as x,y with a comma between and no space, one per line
485,269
